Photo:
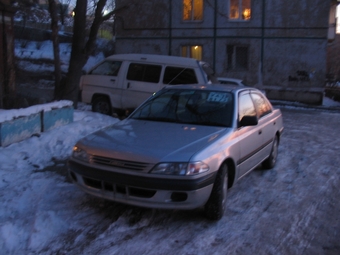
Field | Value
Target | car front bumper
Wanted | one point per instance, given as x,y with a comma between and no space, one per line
163,193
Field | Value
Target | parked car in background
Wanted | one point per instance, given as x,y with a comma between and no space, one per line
181,149
231,81
122,82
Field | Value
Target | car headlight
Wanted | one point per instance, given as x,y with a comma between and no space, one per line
80,154
180,168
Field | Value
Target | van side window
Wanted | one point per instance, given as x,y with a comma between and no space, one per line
178,75
142,72
110,68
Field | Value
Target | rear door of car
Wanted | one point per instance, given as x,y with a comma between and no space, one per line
266,123
250,137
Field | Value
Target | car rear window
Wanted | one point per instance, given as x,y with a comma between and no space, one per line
179,75
142,72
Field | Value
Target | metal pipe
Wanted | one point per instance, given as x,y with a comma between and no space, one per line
170,28
215,35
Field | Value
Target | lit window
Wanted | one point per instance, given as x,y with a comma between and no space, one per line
192,9
192,52
237,57
240,9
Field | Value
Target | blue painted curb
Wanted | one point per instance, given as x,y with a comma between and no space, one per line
19,129
24,127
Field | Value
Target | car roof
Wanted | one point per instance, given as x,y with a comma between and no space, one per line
217,87
162,59
228,79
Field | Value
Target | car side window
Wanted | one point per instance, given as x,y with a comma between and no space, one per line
262,106
245,106
179,75
110,68
142,72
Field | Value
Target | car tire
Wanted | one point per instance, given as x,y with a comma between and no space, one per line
102,105
270,162
215,206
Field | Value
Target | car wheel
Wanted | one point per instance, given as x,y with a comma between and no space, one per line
102,105
270,162
216,204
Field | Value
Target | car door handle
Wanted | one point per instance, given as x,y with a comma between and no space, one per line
113,80
260,132
128,85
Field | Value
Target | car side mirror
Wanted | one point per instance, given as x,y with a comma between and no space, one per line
248,121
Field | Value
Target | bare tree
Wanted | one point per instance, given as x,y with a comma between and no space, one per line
82,48
55,39
63,10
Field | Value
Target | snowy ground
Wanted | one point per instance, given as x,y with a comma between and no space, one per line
291,209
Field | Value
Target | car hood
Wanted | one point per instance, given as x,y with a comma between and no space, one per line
150,141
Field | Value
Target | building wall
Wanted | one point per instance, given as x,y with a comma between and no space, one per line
286,40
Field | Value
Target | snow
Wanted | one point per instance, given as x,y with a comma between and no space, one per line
291,209
44,50
42,212
6,115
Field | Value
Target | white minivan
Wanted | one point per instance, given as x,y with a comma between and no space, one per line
122,82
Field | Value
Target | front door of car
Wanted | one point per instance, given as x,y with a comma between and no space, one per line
250,137
142,80
103,79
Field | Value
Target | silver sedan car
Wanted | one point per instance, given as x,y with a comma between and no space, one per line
183,148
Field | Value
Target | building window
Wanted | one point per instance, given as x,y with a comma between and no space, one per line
192,52
192,10
239,9
237,57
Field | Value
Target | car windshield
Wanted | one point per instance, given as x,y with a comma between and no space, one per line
199,107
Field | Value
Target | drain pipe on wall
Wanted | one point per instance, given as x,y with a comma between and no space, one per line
260,72
170,28
215,34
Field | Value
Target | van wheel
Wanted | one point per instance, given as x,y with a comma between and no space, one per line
102,105
215,207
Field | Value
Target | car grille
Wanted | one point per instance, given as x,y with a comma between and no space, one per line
132,165
118,188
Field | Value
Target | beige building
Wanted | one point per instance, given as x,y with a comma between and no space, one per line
265,43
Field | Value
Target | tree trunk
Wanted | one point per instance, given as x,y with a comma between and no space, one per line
78,55
56,50
81,50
